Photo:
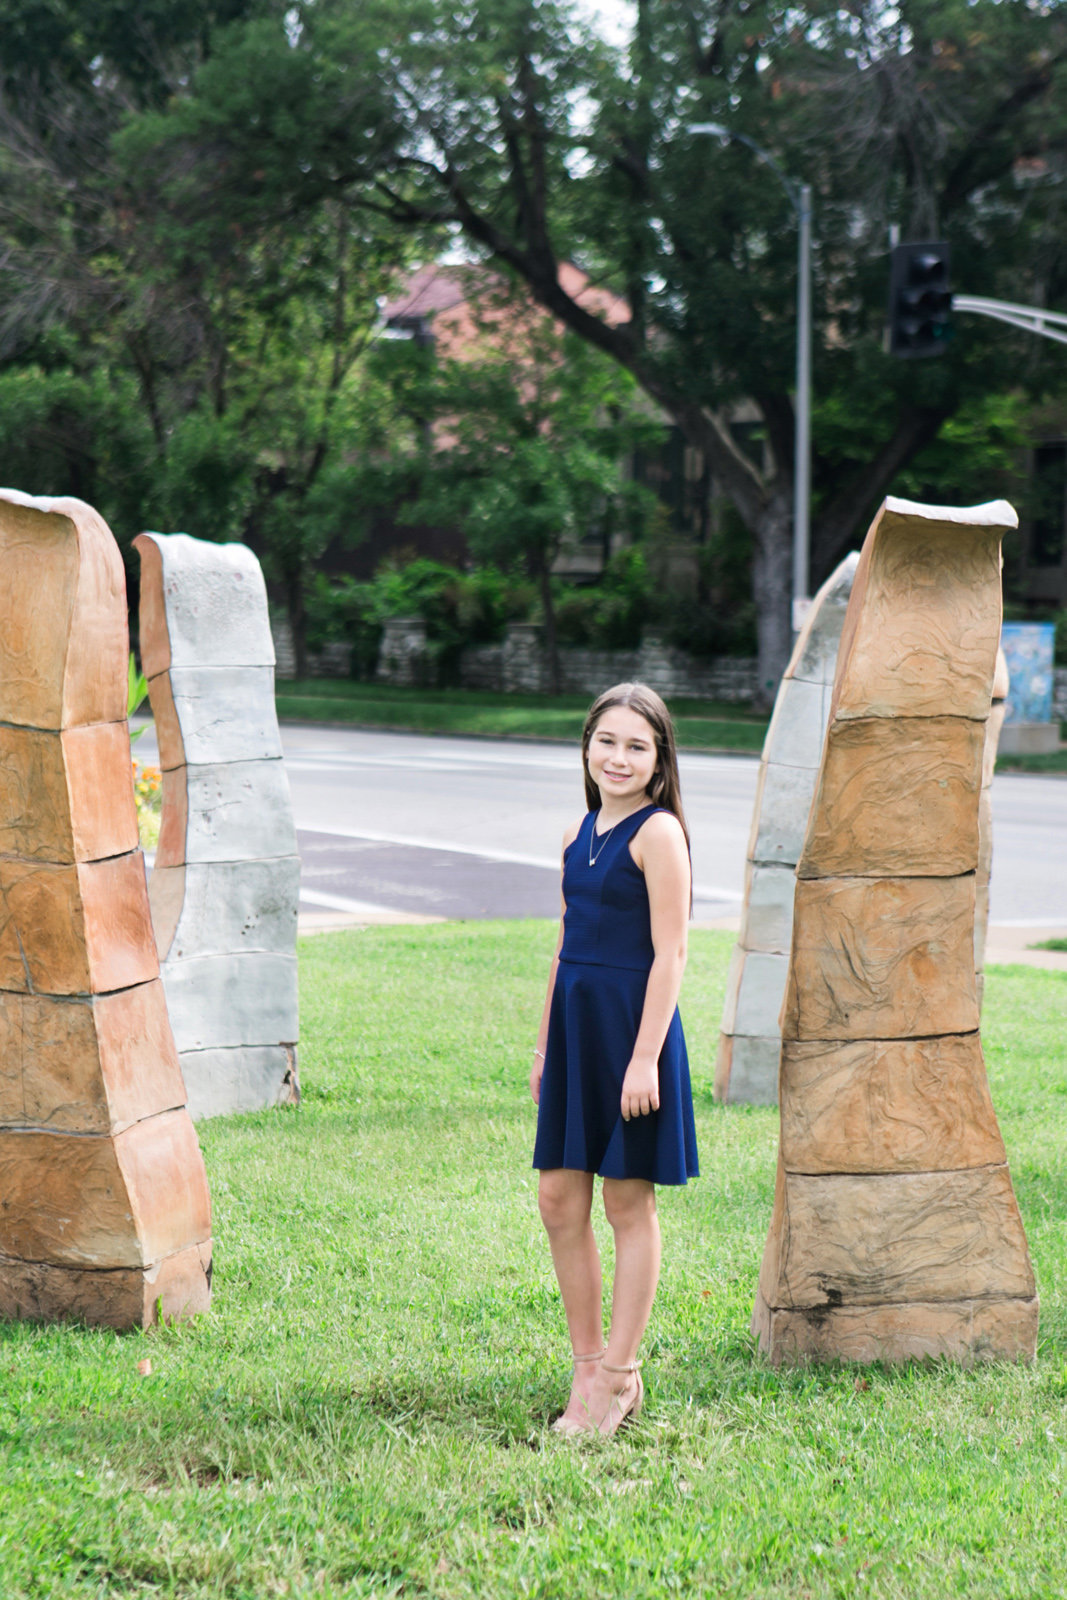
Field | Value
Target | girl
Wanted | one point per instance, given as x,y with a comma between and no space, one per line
610,1075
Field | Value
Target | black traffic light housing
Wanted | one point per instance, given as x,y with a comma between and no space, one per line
920,300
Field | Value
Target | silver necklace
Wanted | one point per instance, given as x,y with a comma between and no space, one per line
593,859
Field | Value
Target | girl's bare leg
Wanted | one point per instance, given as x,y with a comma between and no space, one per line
630,1205
566,1201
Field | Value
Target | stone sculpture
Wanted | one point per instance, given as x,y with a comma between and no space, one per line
750,1041
1001,685
226,881
106,1215
895,1231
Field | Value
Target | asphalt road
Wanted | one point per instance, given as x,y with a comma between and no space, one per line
396,823
472,828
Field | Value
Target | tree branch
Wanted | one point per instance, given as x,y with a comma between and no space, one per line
973,167
841,525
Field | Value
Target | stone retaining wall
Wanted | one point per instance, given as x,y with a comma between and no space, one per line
517,665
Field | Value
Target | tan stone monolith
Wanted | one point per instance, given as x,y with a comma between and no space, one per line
895,1233
750,1038
106,1214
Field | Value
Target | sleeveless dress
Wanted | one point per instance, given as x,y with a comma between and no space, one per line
596,1007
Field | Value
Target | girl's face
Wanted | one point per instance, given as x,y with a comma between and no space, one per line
622,756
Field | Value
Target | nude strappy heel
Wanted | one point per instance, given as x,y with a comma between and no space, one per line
634,1409
566,1424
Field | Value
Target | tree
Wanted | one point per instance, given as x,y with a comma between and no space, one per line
172,361
509,122
532,432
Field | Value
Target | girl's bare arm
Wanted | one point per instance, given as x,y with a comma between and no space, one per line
660,851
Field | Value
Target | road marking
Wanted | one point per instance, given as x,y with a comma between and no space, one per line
1032,922
340,902
485,853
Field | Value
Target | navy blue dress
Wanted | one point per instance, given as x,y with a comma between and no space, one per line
596,1008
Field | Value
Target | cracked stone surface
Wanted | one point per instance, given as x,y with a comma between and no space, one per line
226,882
895,1234
106,1213
750,1037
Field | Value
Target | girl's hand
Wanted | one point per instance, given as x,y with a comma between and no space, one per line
640,1089
535,1077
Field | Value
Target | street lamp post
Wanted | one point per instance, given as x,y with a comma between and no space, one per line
800,200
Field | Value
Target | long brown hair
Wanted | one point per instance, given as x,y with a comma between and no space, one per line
665,788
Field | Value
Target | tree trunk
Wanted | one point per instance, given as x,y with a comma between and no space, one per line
772,589
294,600
544,575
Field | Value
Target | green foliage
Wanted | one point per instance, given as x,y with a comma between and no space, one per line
611,614
979,454
200,207
532,437
82,433
136,693
459,608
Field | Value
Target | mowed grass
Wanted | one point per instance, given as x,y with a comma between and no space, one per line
700,724
365,1411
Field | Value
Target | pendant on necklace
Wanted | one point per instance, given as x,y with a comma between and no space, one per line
593,859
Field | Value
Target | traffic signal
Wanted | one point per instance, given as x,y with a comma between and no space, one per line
920,300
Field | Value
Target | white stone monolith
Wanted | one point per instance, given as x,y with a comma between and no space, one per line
226,882
750,1040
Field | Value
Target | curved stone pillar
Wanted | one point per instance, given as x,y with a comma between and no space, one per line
105,1215
895,1232
1001,685
226,882
750,1041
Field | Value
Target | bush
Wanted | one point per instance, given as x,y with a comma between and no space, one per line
459,609
704,629
612,614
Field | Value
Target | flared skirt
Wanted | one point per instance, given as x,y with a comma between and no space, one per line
593,1023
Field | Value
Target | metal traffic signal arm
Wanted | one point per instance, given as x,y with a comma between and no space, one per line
1032,319
921,304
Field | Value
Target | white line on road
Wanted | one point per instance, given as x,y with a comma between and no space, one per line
1032,922
340,902
412,842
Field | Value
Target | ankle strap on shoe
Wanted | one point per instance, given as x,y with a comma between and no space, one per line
594,1355
633,1367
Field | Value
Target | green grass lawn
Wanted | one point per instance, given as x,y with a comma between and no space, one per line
701,724
365,1410
1054,761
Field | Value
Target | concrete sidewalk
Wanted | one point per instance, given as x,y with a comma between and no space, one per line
1007,947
